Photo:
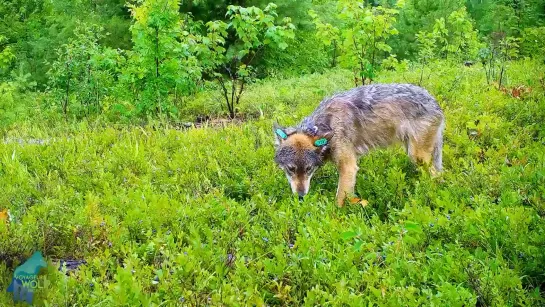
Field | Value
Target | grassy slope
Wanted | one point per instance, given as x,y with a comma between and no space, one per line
207,214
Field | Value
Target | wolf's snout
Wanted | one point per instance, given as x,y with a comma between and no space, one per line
300,188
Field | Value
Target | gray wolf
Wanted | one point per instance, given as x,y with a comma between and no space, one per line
346,126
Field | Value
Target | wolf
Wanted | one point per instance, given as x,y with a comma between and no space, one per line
347,125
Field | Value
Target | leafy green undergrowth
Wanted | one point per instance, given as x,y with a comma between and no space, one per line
203,216
271,97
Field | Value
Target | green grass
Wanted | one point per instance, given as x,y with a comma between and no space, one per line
203,216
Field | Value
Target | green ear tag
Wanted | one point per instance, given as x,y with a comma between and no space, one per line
281,134
320,142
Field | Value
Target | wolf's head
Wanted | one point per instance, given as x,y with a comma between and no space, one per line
299,153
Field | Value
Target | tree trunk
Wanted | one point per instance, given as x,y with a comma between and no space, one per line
226,96
67,94
158,96
421,74
334,59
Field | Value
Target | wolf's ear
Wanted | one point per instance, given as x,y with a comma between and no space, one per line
322,138
321,135
281,134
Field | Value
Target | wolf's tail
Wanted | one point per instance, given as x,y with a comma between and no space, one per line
438,148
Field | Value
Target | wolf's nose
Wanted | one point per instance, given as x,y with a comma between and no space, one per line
301,195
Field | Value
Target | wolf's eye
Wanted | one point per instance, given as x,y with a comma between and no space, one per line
291,169
308,169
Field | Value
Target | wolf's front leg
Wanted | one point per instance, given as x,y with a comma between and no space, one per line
347,165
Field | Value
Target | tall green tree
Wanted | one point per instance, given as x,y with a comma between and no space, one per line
160,62
232,64
362,36
84,72
417,16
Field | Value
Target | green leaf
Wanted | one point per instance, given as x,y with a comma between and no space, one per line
412,226
348,235
371,256
409,239
357,245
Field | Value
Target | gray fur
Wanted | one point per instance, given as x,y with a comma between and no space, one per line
364,115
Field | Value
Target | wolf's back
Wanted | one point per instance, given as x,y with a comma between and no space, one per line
364,101
365,97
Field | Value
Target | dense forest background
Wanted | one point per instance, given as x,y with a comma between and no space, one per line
138,59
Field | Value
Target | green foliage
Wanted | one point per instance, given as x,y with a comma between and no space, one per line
462,41
36,29
6,56
160,63
302,56
495,58
532,42
232,65
328,35
266,99
362,38
426,43
84,72
419,16
8,105
509,16
455,37
166,62
15,100
204,217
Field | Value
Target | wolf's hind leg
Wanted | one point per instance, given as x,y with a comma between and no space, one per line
347,165
437,152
